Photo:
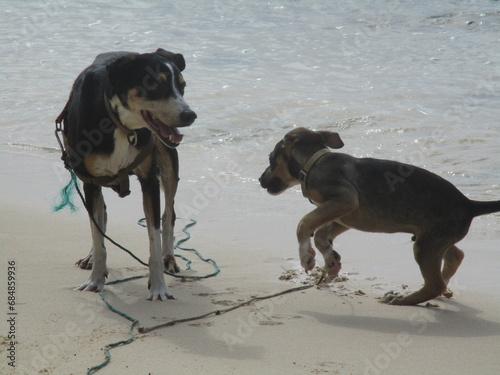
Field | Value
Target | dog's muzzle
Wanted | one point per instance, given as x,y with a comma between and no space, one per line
273,184
263,179
169,135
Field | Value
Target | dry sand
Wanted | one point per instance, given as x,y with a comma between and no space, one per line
339,328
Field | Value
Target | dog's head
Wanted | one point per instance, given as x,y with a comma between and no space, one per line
284,163
147,92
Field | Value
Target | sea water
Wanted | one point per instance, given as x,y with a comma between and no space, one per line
415,81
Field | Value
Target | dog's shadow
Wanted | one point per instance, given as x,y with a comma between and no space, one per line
458,321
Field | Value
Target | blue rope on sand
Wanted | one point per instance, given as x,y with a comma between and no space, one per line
107,348
142,223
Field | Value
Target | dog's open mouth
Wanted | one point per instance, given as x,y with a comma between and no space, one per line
168,135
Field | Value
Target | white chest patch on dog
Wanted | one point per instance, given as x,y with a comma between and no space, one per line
123,155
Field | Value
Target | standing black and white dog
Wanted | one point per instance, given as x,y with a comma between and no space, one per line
121,119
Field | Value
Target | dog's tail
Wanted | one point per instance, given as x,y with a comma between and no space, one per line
484,208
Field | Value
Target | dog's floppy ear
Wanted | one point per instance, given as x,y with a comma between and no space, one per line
177,58
331,139
299,135
290,139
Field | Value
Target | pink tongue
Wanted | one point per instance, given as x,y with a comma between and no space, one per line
167,133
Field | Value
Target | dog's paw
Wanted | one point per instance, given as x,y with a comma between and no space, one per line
396,299
158,289
96,281
170,264
159,294
85,263
91,286
307,259
332,263
448,293
391,298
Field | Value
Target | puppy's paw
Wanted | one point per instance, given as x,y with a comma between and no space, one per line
307,258
397,299
332,263
388,297
448,293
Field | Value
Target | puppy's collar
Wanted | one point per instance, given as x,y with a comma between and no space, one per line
309,164
132,138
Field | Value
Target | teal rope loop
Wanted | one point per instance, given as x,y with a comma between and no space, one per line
107,348
142,223
201,257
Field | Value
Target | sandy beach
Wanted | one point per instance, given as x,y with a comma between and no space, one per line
338,328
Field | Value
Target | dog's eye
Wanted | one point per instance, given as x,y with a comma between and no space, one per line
182,86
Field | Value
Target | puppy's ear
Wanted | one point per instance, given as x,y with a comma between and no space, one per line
290,140
331,139
299,135
118,68
177,58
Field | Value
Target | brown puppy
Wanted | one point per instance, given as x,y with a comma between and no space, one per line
373,195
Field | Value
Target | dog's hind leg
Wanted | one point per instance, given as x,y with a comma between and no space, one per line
452,260
169,175
429,256
323,239
151,203
97,210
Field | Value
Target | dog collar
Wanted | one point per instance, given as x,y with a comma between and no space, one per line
116,120
309,164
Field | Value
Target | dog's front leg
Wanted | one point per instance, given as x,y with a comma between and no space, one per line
151,202
323,239
328,211
97,210
169,180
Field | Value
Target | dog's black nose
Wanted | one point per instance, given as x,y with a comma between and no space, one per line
188,116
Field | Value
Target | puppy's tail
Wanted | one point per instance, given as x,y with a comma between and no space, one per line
483,208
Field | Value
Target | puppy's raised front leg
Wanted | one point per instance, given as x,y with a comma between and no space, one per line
97,208
323,239
340,205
